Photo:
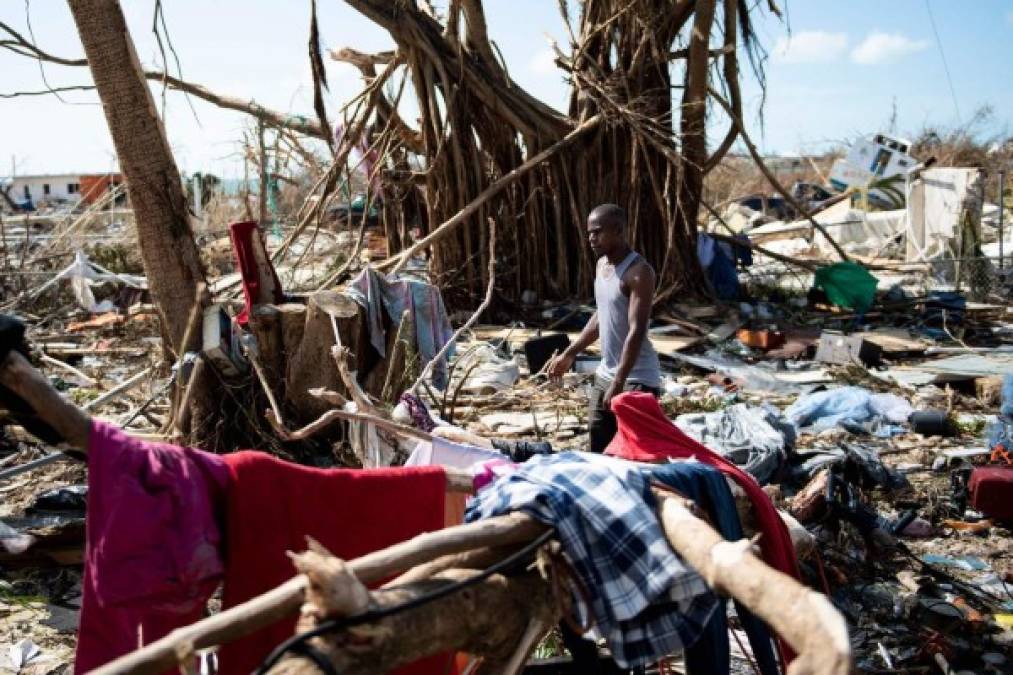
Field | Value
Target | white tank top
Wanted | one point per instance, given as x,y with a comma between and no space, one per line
614,325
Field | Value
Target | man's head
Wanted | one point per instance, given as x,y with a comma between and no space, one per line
606,229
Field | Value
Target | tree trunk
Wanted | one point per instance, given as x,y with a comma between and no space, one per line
170,255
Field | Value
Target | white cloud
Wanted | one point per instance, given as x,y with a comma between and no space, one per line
543,62
810,46
879,48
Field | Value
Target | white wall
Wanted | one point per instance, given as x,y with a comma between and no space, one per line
61,188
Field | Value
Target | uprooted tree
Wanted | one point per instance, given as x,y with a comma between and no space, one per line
623,140
643,76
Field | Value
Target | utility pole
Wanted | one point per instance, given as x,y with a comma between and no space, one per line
1002,211
262,213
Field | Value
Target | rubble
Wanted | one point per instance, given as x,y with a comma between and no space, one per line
848,343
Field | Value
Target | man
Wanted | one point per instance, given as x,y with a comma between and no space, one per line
623,293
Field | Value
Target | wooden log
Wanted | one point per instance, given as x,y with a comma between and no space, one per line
311,365
265,324
293,323
802,617
488,619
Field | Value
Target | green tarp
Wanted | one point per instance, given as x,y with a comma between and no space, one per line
848,285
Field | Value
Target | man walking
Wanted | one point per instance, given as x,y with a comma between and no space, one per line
623,294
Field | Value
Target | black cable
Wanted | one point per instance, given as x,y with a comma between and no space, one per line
295,643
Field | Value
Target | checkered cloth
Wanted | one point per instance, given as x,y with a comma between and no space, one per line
644,600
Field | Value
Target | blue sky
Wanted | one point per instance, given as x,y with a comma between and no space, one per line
834,72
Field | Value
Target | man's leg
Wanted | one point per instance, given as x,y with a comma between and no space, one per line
601,423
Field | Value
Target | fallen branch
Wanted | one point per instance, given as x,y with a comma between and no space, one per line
472,319
115,392
771,178
802,617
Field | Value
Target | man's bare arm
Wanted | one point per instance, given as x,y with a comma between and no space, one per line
641,286
18,375
561,363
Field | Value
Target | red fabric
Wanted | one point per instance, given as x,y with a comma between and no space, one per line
152,556
991,491
274,505
260,281
646,435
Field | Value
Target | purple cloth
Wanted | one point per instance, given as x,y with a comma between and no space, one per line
418,411
152,557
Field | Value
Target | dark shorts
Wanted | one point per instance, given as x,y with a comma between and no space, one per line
601,423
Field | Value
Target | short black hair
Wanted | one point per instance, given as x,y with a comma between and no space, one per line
609,214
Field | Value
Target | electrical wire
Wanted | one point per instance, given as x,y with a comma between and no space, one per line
297,642
942,55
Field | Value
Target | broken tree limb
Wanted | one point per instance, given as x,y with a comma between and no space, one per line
70,421
115,392
400,260
303,125
46,358
769,175
754,247
487,619
486,301
286,599
802,617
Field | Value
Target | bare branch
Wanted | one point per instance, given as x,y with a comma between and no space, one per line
18,44
47,92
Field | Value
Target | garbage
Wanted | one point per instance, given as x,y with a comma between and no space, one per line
847,285
991,491
539,350
853,408
932,423
71,498
755,438
847,350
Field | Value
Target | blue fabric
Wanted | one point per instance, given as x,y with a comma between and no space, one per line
645,601
853,408
377,293
723,276
707,487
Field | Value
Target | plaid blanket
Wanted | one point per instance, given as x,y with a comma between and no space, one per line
644,600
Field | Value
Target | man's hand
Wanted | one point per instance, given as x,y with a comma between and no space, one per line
613,390
560,365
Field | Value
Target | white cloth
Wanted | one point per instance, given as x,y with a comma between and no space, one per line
442,452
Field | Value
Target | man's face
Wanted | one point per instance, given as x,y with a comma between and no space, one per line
602,237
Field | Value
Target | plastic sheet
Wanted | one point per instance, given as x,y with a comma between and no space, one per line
755,438
853,408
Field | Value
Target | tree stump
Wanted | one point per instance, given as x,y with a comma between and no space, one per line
310,365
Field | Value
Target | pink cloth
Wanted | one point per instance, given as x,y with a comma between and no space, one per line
152,556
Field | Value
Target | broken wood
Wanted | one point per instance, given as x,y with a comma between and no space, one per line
805,619
310,365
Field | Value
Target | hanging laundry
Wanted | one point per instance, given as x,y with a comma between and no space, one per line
646,435
273,506
260,280
645,601
377,293
153,549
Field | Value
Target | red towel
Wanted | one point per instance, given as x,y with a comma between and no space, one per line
260,281
646,435
273,505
